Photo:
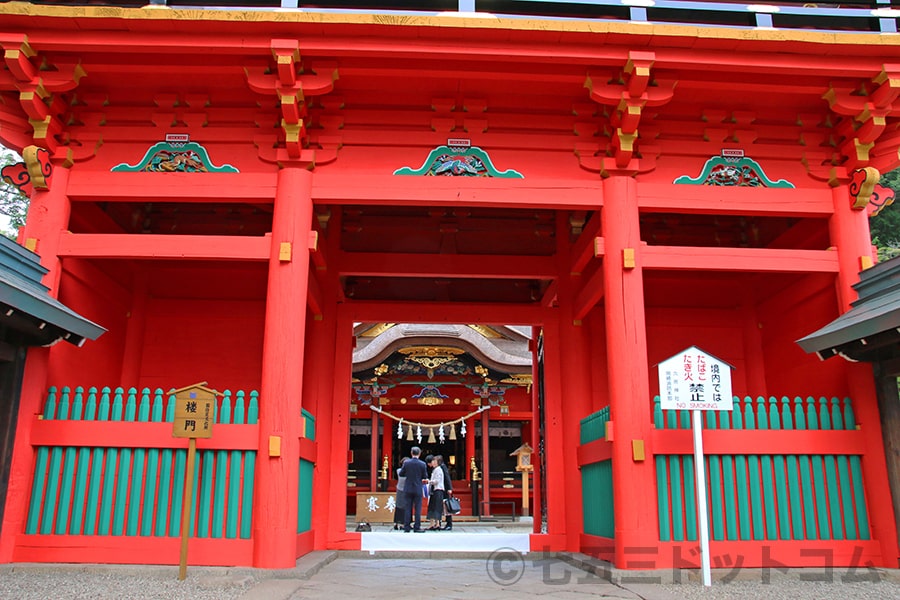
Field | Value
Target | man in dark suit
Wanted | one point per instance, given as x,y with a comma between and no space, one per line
416,474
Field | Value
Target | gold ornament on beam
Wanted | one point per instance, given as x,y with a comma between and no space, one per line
523,379
431,357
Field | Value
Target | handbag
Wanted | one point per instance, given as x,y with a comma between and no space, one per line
452,505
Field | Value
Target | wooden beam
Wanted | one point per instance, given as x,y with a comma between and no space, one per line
589,295
550,294
379,264
128,549
703,199
131,434
151,246
890,368
558,141
338,188
317,250
760,441
804,234
171,187
308,449
839,60
314,297
739,259
88,217
585,247
593,452
438,312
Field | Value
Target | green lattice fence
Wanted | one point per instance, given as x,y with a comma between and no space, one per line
757,495
597,481
305,492
128,480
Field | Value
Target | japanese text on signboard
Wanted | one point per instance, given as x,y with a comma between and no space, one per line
694,380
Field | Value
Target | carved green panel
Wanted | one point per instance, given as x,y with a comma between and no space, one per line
743,172
175,158
459,162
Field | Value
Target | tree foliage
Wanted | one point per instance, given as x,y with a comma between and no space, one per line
13,203
885,227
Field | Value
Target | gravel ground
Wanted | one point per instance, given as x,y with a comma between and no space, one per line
789,590
458,579
127,583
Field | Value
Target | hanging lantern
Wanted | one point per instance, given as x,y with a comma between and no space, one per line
441,434
431,435
462,430
452,431
419,433
400,430
409,434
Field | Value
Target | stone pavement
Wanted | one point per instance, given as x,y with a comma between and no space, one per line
558,577
502,574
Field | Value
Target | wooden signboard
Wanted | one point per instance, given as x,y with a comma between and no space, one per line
375,507
195,410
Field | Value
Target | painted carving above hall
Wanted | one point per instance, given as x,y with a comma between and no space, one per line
459,159
733,169
175,155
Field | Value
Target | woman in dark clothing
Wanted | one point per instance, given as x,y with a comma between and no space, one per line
436,499
400,500
448,491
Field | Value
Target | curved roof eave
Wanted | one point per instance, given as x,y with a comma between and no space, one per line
512,357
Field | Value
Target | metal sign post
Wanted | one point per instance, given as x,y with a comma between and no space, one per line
702,517
695,381
195,409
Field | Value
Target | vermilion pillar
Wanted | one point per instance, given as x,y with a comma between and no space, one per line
277,472
554,445
387,449
486,462
319,388
634,481
48,216
374,463
337,419
470,453
574,351
537,504
849,230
